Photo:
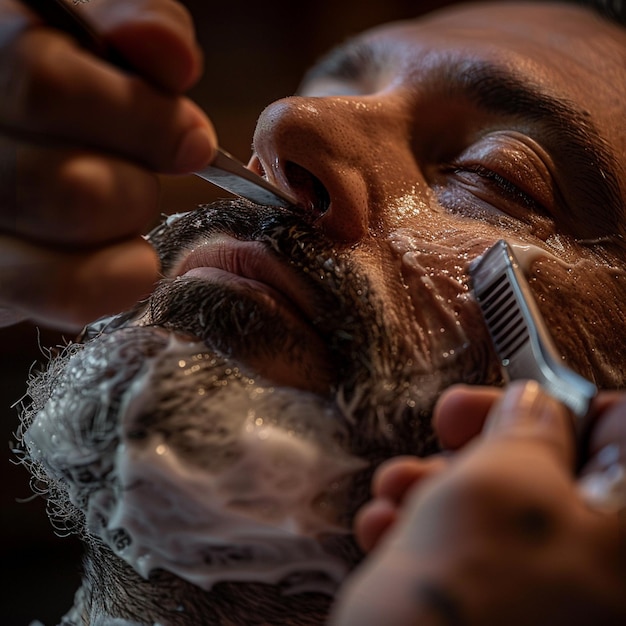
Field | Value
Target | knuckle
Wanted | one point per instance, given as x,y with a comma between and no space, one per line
95,192
85,182
112,14
171,10
41,83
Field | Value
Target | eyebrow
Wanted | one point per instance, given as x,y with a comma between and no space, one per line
570,135
353,61
573,141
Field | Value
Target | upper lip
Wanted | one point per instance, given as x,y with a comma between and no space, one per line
254,261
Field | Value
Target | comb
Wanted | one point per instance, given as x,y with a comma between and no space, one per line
519,334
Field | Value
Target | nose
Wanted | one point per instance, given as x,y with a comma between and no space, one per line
329,153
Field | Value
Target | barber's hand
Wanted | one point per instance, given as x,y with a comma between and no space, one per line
500,532
80,142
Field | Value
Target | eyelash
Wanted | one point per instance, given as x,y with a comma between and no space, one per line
504,185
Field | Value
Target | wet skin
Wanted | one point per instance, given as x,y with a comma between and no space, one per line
417,146
452,138
412,150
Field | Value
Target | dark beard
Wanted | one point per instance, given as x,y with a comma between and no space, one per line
371,362
350,317
227,321
115,360
164,598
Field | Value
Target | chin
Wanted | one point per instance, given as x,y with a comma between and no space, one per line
178,458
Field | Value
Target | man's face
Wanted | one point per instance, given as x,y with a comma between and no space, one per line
411,151
425,142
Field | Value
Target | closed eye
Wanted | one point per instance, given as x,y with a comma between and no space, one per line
503,172
498,183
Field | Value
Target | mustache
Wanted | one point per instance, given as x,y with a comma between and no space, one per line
238,218
288,237
348,315
198,308
373,372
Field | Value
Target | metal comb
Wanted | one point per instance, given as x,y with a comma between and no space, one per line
519,334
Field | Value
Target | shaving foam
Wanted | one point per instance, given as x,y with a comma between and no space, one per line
215,476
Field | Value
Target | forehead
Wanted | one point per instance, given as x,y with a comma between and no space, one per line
567,49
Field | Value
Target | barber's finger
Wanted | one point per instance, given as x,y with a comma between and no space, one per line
372,521
608,414
461,412
393,481
157,37
66,290
394,477
602,480
58,92
72,197
526,412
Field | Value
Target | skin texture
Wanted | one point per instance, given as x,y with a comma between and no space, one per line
411,151
410,145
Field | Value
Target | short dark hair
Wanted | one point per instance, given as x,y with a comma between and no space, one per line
614,10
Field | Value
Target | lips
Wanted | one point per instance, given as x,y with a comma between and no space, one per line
250,266
281,343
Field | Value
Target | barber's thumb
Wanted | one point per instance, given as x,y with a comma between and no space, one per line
526,412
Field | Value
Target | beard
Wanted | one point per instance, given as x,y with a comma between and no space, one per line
167,390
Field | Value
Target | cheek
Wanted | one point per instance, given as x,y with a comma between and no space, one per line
584,305
582,299
435,297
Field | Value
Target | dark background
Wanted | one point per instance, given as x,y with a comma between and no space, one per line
255,53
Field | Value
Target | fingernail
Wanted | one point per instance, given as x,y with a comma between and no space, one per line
195,150
523,403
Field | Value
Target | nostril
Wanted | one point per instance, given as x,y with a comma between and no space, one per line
312,196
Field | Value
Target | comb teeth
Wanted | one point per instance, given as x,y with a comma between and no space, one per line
504,317
519,335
